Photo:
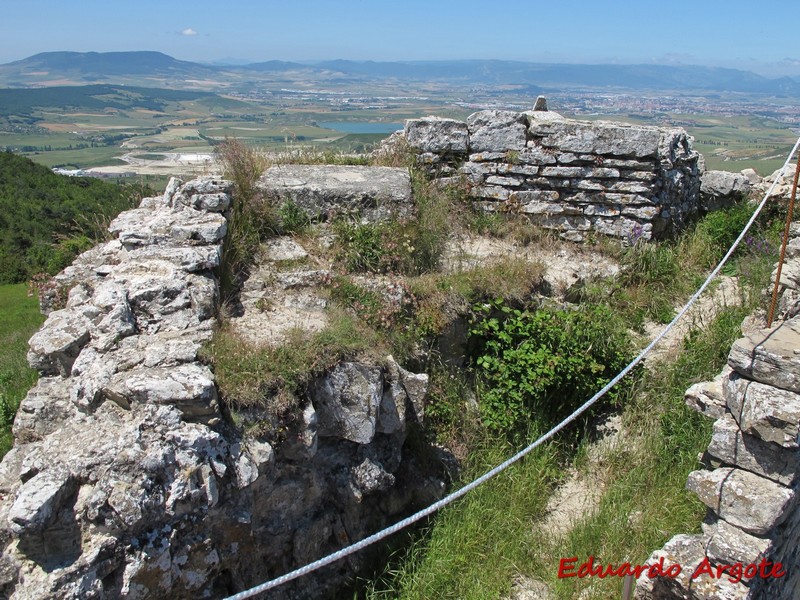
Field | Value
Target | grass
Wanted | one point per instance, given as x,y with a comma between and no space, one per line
476,547
473,550
646,501
252,217
19,319
250,376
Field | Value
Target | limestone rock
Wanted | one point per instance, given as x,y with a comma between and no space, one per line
56,345
437,135
187,258
283,248
688,551
143,227
39,500
348,401
770,356
728,545
370,477
496,131
724,185
764,411
45,407
602,138
707,397
734,448
743,499
374,193
188,387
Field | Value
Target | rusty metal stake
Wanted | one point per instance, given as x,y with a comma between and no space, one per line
774,302
627,587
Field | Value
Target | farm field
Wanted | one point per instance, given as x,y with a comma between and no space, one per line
152,131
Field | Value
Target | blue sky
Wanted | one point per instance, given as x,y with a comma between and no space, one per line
756,36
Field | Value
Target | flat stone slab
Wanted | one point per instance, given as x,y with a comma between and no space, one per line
749,502
733,447
771,356
373,193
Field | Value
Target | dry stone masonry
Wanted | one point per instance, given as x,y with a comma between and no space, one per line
127,481
575,177
128,478
750,479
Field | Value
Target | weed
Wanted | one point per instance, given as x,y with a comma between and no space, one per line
543,364
292,219
251,217
51,294
253,377
382,309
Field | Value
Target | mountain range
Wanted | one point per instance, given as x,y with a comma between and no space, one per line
155,68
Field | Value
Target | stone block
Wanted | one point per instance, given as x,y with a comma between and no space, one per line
743,499
496,131
707,397
437,135
771,356
735,448
600,137
376,193
728,545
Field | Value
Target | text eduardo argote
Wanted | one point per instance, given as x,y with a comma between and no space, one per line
568,567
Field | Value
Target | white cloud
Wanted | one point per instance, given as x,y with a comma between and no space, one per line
188,31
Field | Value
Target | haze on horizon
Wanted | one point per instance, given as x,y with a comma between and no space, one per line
713,33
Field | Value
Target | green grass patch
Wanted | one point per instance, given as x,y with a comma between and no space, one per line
646,501
474,548
19,319
250,376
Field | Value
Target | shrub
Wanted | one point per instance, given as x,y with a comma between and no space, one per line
541,365
411,247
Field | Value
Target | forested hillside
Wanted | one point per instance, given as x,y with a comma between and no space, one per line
47,219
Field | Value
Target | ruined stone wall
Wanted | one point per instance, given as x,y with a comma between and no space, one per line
572,176
126,480
752,467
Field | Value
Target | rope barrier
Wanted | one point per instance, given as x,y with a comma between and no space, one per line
376,537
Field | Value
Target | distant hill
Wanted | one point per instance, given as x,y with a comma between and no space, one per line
93,97
103,65
634,77
136,68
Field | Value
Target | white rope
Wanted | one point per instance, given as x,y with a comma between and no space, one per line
376,537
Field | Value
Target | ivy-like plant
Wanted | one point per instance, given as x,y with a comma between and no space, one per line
541,365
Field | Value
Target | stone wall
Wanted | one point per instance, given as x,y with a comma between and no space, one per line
752,464
572,176
127,479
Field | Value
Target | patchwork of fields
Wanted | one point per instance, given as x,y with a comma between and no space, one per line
158,132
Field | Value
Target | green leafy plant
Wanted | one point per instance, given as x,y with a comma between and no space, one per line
542,364
292,218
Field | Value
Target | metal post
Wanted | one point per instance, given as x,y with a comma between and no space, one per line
789,213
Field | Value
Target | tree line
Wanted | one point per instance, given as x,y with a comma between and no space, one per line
47,219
